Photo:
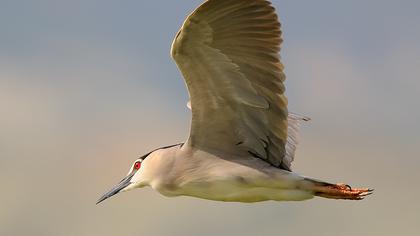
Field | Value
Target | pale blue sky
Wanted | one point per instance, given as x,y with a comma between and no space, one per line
86,86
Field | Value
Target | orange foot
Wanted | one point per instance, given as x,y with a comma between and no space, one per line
342,191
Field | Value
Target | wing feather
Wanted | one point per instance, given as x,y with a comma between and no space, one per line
228,53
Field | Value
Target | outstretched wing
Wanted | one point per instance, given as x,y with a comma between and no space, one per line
228,53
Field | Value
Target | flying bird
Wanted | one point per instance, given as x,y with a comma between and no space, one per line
242,139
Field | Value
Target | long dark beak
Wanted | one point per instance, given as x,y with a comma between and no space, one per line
124,183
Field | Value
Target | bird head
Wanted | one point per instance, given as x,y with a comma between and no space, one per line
134,179
143,170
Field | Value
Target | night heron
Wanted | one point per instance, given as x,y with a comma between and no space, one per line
243,139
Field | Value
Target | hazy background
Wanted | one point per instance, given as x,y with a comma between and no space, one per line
88,85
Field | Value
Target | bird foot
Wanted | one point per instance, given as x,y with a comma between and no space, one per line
343,191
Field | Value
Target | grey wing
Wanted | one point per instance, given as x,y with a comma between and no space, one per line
228,53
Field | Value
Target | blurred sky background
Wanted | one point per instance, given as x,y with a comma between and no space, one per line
86,86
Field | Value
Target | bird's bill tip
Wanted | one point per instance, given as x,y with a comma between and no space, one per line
103,198
118,188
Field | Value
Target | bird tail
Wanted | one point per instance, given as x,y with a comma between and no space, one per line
338,191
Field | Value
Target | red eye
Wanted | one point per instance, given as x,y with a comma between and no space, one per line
137,165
